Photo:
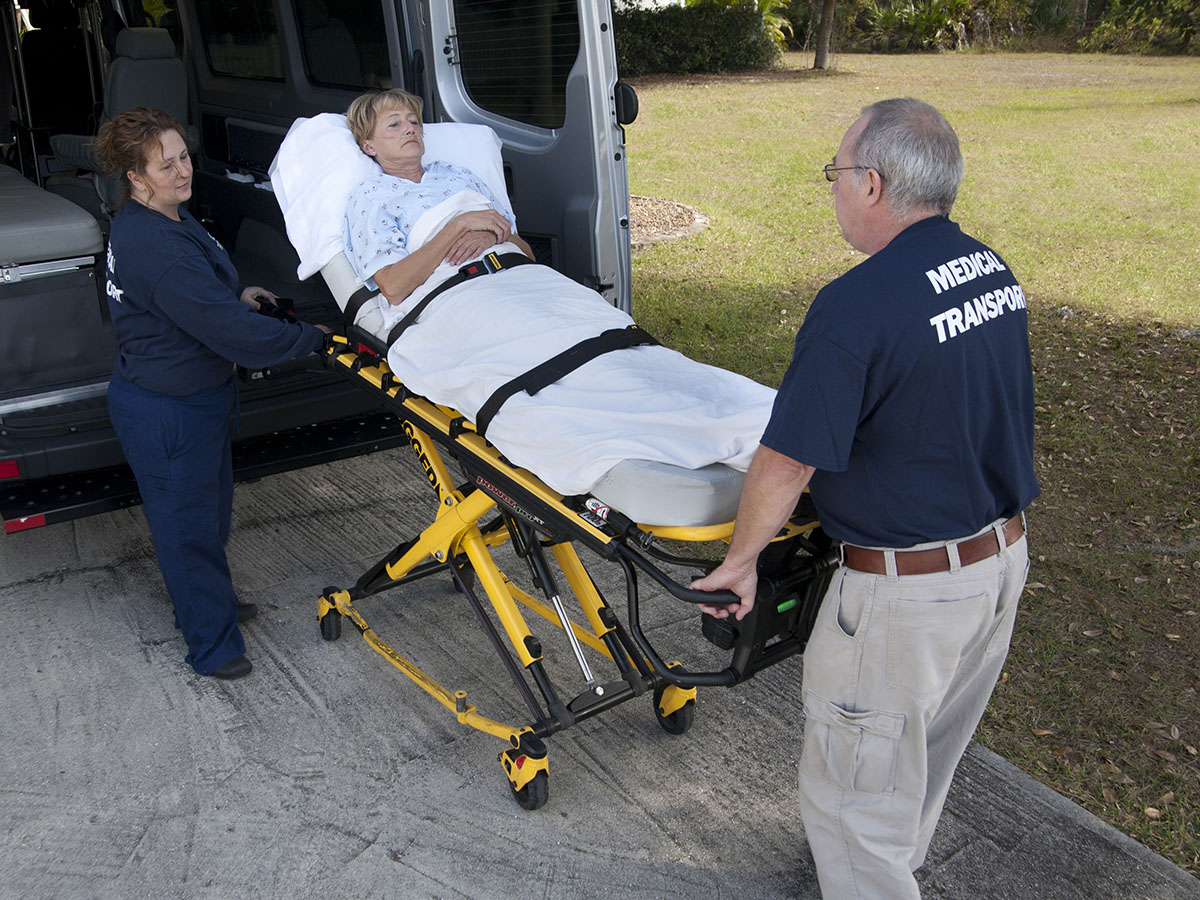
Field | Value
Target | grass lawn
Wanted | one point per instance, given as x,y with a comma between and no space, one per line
1084,173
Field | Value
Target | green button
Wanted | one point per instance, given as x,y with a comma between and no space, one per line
786,605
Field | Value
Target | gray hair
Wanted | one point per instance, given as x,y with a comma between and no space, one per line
914,149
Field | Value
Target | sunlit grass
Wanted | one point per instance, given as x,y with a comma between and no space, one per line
1081,170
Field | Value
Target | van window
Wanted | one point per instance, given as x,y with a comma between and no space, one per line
241,38
516,55
348,49
161,14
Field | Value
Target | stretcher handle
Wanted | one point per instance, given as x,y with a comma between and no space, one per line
676,675
674,588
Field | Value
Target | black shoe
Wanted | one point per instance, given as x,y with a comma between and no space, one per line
246,611
238,667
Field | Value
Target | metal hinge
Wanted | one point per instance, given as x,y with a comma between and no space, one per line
450,49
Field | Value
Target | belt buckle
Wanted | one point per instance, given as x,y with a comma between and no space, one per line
485,265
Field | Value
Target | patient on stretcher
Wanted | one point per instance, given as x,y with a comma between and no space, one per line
413,220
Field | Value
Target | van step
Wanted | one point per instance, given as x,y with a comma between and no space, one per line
48,501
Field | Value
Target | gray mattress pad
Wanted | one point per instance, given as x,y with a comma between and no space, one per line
37,226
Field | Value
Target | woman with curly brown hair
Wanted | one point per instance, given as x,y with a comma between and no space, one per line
182,320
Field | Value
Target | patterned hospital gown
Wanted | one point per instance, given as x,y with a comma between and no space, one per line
383,209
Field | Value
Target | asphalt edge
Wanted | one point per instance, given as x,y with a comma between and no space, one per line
1070,809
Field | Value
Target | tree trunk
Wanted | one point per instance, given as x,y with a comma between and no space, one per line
824,33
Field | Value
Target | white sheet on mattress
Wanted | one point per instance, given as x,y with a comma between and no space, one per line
646,403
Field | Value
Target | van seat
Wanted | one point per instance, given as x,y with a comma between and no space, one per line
37,226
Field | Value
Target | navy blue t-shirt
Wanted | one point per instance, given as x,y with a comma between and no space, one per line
911,393
173,293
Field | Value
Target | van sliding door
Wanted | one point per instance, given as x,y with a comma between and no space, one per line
542,73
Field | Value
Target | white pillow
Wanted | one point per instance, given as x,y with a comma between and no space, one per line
319,164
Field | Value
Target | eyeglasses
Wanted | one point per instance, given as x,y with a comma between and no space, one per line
831,171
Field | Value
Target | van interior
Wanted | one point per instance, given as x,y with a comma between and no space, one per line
237,74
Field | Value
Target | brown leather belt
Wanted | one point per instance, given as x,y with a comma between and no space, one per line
935,559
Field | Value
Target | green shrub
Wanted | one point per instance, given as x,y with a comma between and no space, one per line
905,25
1146,26
704,37
721,35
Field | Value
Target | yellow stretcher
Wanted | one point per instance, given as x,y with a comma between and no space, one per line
494,502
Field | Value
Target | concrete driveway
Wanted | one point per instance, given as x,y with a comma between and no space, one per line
326,773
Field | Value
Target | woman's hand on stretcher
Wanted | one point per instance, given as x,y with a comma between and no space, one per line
743,582
254,297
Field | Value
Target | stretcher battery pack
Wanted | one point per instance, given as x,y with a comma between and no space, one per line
785,610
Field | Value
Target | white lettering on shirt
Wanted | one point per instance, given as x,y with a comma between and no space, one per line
109,288
960,319
958,271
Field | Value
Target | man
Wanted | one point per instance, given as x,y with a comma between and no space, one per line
908,412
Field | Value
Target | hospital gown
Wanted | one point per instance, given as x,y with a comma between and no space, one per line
383,210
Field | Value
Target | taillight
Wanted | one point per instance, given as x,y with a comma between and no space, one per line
9,468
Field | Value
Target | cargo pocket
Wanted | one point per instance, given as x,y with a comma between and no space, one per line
857,751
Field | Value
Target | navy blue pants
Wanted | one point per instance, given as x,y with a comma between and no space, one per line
178,448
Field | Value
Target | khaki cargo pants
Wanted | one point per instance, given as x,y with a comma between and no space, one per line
896,677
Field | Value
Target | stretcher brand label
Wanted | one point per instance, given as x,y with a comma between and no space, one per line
597,513
510,503
426,465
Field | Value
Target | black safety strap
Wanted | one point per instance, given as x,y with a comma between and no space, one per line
354,304
557,366
492,262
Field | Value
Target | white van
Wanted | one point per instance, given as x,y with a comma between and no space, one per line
541,73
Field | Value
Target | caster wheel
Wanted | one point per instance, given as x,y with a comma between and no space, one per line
677,722
331,625
535,792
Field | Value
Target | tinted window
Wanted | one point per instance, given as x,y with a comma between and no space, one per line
516,55
348,49
162,14
241,38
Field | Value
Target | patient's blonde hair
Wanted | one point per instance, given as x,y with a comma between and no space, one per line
364,112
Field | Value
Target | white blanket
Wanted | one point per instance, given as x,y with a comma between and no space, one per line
647,403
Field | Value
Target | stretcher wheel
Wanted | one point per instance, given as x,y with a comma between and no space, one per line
331,625
677,722
535,792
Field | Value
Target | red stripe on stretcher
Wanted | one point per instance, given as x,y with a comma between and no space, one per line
10,468
24,523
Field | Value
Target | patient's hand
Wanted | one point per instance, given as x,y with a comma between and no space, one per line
479,229
470,246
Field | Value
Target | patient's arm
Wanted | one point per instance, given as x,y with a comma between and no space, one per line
522,243
472,244
398,280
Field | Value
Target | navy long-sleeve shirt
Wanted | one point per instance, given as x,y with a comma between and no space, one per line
173,292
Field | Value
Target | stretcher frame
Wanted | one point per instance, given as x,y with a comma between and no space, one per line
519,508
